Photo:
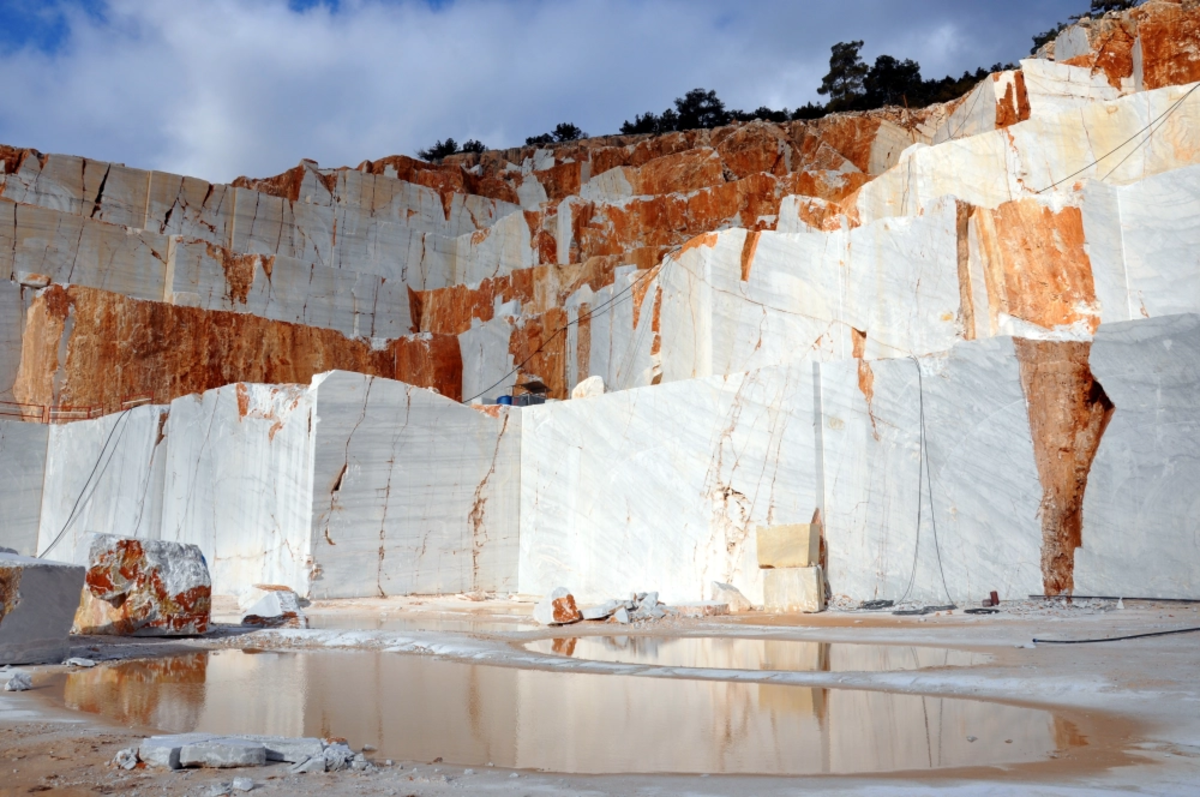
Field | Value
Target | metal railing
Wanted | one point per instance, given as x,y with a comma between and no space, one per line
65,413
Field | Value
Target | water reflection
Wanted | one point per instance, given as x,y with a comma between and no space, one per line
756,654
419,708
373,621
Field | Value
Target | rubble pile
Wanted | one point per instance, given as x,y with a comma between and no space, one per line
559,608
271,605
187,750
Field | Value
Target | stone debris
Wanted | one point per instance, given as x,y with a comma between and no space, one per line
558,608
699,609
242,784
338,756
621,616
18,681
646,607
37,599
223,752
125,759
76,661
144,588
184,750
731,595
601,612
271,605
589,388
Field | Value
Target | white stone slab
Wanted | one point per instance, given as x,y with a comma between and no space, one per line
983,492
412,492
37,603
656,486
1140,508
22,469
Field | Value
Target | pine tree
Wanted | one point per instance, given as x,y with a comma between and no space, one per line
844,83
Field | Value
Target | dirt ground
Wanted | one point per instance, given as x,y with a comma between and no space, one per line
1135,703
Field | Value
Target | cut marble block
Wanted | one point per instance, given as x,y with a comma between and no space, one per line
794,589
22,469
970,495
795,545
645,487
1140,535
144,588
37,600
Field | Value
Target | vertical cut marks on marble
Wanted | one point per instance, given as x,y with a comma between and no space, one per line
1068,413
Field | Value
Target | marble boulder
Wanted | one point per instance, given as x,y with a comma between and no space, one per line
144,588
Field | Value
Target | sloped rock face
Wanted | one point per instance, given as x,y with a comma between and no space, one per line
144,588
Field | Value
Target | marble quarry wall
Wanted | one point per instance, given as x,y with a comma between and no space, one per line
964,339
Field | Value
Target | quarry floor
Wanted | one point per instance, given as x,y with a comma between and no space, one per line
1134,703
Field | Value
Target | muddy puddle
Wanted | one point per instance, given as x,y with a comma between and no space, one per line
733,653
371,621
416,708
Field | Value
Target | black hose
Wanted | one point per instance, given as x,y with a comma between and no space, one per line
1113,639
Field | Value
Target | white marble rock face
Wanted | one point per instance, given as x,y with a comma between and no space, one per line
38,598
22,470
412,492
664,485
1141,509
981,490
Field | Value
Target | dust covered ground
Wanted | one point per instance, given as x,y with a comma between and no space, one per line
1133,706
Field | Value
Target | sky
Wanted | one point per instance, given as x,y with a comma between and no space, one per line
222,88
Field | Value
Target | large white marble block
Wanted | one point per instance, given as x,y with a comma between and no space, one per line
1141,509
37,602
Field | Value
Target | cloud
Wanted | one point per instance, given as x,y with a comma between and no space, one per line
218,88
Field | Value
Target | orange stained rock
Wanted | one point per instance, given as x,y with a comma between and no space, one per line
681,172
540,341
749,247
117,347
1035,265
1112,42
430,360
852,135
561,181
1068,413
124,594
1013,107
752,148
1170,39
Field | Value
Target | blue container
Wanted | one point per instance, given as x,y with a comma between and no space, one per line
505,400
